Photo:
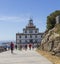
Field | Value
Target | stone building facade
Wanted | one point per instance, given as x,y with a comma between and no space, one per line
30,34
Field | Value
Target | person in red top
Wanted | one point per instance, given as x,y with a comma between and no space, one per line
30,45
12,47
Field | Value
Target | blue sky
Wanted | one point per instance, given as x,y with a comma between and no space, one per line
14,15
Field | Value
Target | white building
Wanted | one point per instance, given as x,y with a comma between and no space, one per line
30,34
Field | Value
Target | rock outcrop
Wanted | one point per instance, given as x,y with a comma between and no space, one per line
51,40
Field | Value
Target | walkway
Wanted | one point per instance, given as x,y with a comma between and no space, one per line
22,57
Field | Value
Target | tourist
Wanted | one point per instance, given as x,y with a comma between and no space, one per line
12,47
30,46
16,46
25,46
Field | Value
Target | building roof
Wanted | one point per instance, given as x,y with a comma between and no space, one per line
30,28
30,24
29,34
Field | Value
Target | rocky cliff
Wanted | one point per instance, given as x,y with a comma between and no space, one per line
51,39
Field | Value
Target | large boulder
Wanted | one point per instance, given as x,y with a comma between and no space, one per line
50,41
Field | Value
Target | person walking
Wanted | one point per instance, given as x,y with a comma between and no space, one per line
16,46
30,45
12,47
25,46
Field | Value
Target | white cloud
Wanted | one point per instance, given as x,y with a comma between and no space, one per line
7,18
14,18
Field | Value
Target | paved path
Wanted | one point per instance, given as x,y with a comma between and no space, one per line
22,57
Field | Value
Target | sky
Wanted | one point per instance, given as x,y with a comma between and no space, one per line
14,15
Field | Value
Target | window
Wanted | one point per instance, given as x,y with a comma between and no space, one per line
25,36
20,36
31,41
41,36
30,31
25,31
35,31
20,41
30,36
26,41
35,36
35,41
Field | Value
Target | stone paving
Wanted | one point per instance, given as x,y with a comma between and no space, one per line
23,57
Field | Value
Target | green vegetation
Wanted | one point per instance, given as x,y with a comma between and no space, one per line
51,19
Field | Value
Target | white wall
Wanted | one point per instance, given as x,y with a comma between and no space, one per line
28,37
32,30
